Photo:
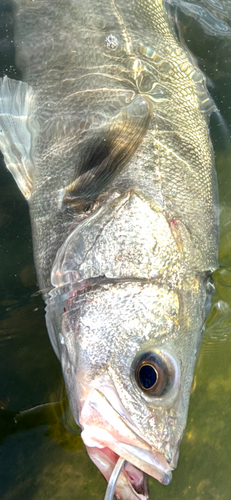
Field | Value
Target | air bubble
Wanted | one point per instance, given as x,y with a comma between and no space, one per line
112,41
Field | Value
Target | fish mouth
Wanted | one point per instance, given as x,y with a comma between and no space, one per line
108,434
132,483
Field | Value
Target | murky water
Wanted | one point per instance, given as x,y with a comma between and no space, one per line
39,457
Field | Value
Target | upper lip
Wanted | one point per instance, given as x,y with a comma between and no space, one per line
141,454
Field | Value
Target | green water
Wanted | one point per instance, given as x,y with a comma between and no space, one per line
39,458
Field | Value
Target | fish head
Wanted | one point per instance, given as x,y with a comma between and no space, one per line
125,320
128,352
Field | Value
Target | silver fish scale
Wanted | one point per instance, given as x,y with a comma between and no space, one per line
79,99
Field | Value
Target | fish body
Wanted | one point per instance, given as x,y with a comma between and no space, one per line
107,137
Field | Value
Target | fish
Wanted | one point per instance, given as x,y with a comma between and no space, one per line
107,136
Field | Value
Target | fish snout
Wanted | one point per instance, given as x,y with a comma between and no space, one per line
109,435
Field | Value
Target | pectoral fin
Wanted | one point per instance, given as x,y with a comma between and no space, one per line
106,150
15,137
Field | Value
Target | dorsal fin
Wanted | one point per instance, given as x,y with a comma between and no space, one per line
15,137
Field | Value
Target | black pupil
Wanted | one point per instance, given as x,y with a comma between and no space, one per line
147,376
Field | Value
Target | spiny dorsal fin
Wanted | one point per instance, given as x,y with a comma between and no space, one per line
15,137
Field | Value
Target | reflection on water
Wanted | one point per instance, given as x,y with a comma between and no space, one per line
40,457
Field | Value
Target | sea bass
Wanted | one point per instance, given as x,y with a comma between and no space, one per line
107,137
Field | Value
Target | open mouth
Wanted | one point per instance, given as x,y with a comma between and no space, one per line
132,483
137,479
108,435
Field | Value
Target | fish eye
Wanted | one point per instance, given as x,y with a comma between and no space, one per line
151,374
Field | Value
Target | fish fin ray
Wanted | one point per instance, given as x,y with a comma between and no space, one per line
15,136
106,151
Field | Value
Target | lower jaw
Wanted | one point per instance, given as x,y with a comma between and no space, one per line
149,461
